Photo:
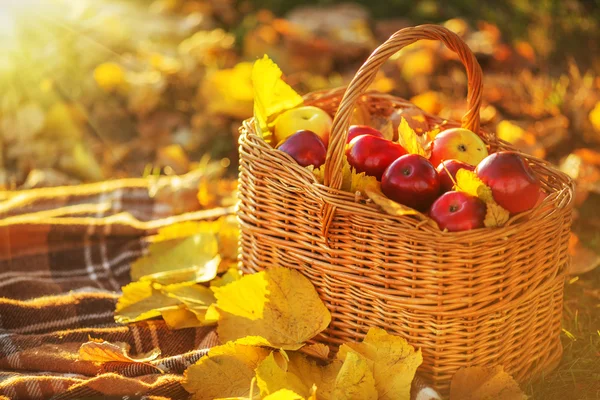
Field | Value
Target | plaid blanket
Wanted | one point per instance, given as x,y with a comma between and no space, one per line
64,255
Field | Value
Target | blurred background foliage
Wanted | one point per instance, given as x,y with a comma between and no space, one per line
100,89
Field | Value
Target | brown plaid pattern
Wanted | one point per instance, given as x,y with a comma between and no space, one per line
64,255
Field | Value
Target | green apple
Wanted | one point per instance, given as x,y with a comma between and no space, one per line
303,118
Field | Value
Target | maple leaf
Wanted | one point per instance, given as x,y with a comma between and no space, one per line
481,383
101,351
271,94
373,191
408,139
279,304
226,371
393,360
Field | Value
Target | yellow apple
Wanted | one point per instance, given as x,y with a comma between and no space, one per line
303,118
458,144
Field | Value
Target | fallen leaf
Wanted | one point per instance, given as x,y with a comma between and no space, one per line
284,394
271,94
355,380
226,371
194,251
394,362
230,91
408,139
279,304
191,294
180,318
373,191
109,76
430,102
495,215
270,378
583,259
101,351
232,275
317,350
481,383
509,132
140,301
323,377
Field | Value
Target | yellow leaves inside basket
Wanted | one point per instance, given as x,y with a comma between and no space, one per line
468,182
408,139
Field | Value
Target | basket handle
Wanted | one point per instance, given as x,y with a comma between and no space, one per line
365,76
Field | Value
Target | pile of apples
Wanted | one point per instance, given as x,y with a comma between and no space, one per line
426,185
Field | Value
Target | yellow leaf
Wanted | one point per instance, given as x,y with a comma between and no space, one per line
430,102
279,304
374,193
284,394
226,371
180,318
228,235
194,296
355,379
594,116
394,362
481,383
317,350
270,378
318,172
431,134
509,132
232,275
190,252
191,274
495,215
109,76
468,182
361,181
100,351
408,139
313,374
271,94
140,300
414,117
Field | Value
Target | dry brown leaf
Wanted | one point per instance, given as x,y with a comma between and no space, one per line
101,351
481,383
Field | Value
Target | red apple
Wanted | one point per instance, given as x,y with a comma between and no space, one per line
306,147
372,154
459,144
359,130
458,211
411,180
452,167
514,185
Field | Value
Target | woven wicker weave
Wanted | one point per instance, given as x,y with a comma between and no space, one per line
489,296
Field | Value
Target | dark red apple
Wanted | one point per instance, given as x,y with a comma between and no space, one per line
452,167
306,147
359,130
372,154
411,180
458,211
513,183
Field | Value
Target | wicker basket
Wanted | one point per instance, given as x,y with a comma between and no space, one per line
489,296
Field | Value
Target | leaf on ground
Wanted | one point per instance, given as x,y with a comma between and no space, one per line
355,379
191,274
481,383
232,275
408,139
271,94
101,351
140,301
271,377
495,215
316,350
180,318
284,394
394,362
279,304
373,191
226,371
190,252
312,374
468,182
